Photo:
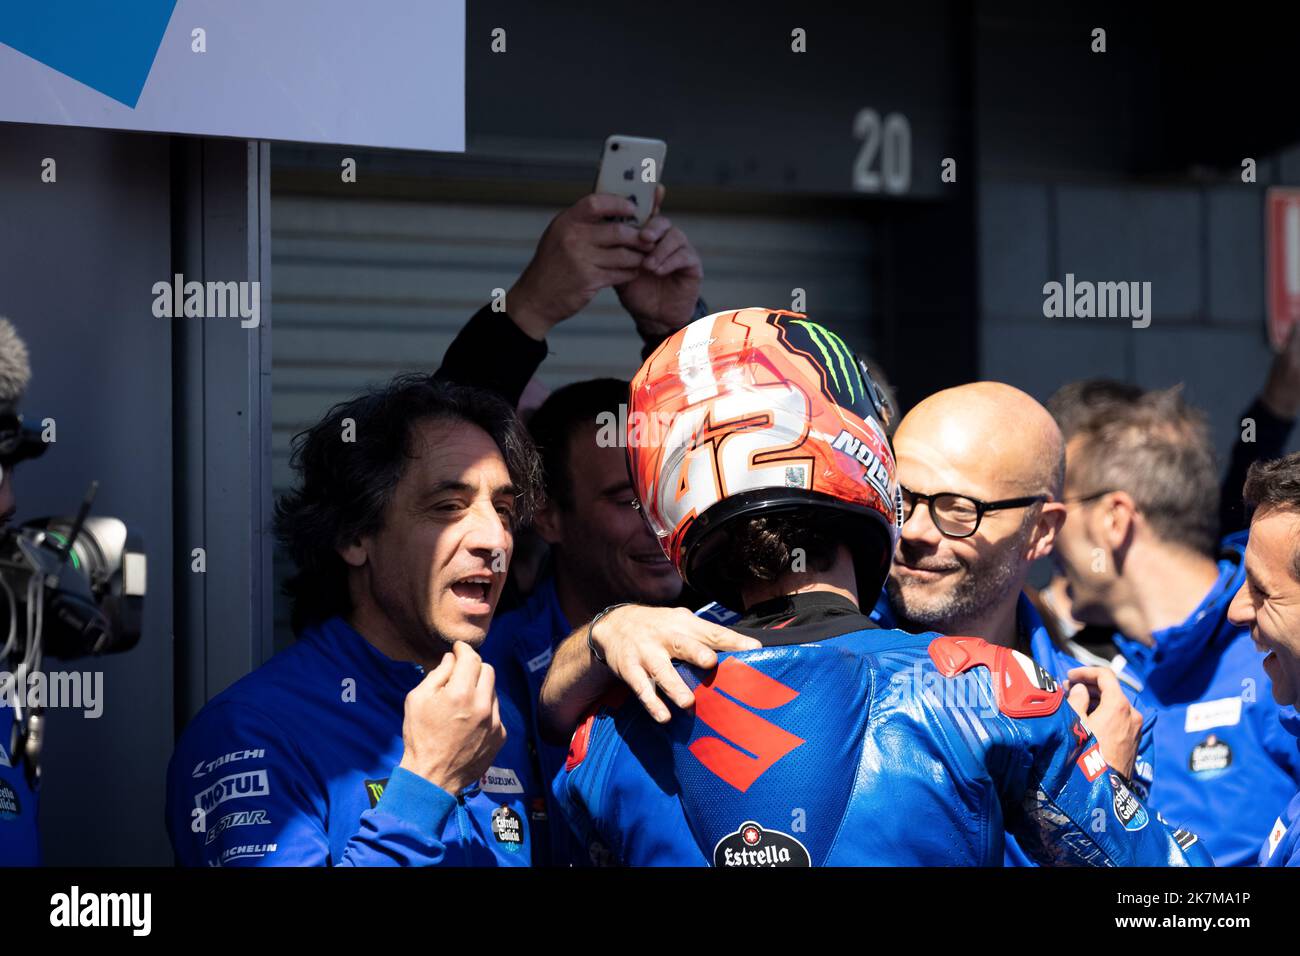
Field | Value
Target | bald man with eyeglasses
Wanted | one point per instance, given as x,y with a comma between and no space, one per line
981,469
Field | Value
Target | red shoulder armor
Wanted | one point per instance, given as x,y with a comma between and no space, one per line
1021,688
578,745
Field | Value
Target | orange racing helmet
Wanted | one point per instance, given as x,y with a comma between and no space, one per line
760,412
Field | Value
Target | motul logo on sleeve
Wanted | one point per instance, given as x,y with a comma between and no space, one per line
1092,763
745,733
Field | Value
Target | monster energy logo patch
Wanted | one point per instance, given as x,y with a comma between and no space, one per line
834,352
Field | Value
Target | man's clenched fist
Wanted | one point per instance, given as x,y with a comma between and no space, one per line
452,728
1096,696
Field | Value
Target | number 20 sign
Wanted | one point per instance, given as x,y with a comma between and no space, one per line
884,163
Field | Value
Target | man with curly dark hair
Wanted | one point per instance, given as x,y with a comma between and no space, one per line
379,737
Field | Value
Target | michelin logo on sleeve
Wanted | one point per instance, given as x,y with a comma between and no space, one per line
249,851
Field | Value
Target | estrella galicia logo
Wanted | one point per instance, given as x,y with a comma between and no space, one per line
10,808
1210,758
751,845
508,828
1128,808
375,790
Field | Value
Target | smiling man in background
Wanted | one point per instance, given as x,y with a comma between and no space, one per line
1140,553
602,553
1269,604
980,470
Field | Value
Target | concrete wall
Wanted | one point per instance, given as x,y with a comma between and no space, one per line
1123,166
1200,247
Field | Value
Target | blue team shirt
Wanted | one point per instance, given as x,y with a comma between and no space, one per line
520,645
1283,845
1225,764
296,764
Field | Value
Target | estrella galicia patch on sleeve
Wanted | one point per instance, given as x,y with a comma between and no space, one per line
1128,808
751,845
508,828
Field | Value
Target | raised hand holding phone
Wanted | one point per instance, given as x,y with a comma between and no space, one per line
632,167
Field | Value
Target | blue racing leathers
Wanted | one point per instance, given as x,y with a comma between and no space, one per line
839,743
1045,652
1058,662
1225,766
1282,848
296,764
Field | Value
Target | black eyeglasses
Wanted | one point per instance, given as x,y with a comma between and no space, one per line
959,516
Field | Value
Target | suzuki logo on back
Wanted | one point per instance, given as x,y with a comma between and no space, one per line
751,745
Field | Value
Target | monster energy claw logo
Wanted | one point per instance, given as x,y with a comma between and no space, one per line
835,351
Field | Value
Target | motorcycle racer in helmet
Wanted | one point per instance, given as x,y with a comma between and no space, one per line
758,452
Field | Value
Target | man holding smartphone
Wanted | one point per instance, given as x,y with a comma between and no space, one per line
654,269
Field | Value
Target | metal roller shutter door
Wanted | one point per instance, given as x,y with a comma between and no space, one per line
364,288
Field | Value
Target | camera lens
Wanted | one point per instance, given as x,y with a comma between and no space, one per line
613,147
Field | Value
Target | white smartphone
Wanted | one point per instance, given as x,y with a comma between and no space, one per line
632,166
